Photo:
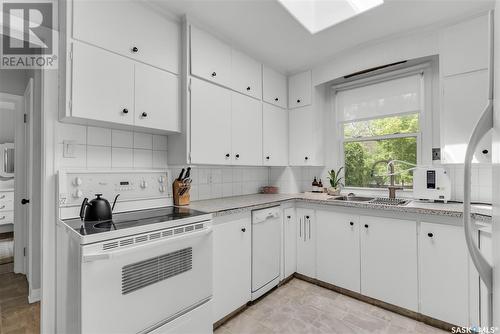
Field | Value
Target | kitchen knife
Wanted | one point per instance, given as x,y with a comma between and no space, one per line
180,175
188,172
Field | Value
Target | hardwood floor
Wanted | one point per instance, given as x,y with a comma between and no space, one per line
16,314
301,307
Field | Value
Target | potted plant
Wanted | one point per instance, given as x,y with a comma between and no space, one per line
335,182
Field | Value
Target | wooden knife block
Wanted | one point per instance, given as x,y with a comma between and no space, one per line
178,188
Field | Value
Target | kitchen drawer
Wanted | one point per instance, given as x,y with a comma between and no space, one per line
6,217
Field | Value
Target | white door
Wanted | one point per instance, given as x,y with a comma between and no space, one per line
210,123
443,263
275,135
274,88
290,242
210,58
389,260
156,99
232,265
306,243
246,120
337,249
121,26
246,74
299,90
102,86
302,137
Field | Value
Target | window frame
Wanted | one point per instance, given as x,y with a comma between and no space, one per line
425,121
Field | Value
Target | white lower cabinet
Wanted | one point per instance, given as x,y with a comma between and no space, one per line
389,260
306,242
290,242
443,273
337,249
231,264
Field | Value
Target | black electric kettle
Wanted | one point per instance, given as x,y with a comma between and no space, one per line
97,209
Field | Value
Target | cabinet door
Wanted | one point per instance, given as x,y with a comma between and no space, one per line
299,90
232,266
274,88
156,99
302,137
337,249
464,99
290,242
246,74
102,86
246,130
275,135
210,58
464,47
443,267
120,26
389,260
210,123
306,243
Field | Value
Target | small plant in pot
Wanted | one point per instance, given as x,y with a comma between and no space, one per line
335,182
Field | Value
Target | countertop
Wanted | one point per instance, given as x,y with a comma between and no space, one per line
236,204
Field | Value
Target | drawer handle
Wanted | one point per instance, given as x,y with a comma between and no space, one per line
125,111
430,235
214,74
135,49
351,223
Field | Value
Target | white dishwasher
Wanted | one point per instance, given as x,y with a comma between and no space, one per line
266,250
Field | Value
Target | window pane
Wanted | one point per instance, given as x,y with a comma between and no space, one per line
362,169
382,126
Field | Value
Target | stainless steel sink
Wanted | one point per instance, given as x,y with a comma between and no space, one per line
353,198
372,200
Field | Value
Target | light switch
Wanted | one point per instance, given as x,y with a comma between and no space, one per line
69,149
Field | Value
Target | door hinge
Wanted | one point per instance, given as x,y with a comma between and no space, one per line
25,118
24,251
71,55
189,86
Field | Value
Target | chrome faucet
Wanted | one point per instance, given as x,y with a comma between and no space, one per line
392,188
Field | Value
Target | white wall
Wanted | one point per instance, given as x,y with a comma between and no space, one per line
13,81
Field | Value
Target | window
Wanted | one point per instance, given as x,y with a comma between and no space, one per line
379,123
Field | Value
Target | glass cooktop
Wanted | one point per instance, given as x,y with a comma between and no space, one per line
131,219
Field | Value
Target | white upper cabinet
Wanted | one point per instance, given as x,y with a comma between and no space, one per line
156,99
102,86
464,47
246,74
246,129
210,58
274,88
305,137
299,90
130,29
275,136
210,124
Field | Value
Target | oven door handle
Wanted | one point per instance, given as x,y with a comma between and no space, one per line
91,257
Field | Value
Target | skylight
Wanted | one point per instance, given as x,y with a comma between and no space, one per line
317,15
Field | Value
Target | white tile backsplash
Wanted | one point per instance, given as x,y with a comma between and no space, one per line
143,141
121,138
71,132
98,156
98,136
122,157
143,158
159,143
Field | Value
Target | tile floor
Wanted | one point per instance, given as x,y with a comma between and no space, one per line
16,315
301,307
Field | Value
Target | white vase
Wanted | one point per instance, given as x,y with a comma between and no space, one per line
333,191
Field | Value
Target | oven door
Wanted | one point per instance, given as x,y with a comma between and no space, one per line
141,286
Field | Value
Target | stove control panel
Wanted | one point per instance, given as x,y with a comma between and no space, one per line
74,186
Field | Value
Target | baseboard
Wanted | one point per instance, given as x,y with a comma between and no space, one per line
34,296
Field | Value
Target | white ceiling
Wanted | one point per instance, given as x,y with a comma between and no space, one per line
265,29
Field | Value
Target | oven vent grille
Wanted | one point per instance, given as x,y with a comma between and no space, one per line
147,272
149,237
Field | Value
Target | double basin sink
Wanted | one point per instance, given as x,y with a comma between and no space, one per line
371,200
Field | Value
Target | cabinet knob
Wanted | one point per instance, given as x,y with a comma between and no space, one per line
276,99
485,151
248,88
298,100
125,111
237,156
144,114
214,74
243,229
268,157
366,225
307,217
227,155
288,217
430,235
135,49
351,223
306,158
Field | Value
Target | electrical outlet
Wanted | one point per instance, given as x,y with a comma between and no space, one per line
436,154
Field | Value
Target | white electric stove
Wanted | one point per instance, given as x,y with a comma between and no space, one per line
148,270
